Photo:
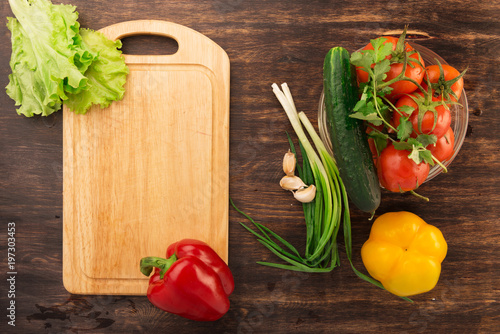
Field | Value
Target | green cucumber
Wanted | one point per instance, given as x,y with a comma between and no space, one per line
347,134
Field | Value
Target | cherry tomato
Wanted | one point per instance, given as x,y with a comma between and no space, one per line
443,148
415,72
443,116
432,72
396,172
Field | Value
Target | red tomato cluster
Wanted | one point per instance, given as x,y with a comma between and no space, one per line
396,171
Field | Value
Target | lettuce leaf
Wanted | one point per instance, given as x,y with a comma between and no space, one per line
43,53
106,75
51,59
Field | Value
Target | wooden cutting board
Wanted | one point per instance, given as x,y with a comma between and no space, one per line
151,169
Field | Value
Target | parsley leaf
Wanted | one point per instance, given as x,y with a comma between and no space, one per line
365,110
406,109
402,145
415,156
372,118
362,59
380,69
380,50
405,128
418,152
426,140
366,58
426,156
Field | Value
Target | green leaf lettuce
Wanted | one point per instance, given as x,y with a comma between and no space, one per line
49,59
106,75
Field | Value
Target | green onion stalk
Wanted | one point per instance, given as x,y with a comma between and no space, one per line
324,215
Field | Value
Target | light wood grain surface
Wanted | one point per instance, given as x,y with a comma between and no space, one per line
150,169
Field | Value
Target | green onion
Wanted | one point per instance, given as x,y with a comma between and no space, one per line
324,215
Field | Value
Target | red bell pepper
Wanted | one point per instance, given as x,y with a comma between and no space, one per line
193,282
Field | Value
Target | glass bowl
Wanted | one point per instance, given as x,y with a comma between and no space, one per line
459,115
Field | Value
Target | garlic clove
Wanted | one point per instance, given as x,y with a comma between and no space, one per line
289,162
292,183
305,195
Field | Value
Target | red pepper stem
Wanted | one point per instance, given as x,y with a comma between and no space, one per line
150,262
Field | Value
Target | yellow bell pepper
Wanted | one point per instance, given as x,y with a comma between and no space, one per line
404,253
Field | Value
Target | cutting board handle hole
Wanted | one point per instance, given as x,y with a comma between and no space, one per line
149,45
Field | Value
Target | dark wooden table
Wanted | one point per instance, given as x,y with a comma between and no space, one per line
270,41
